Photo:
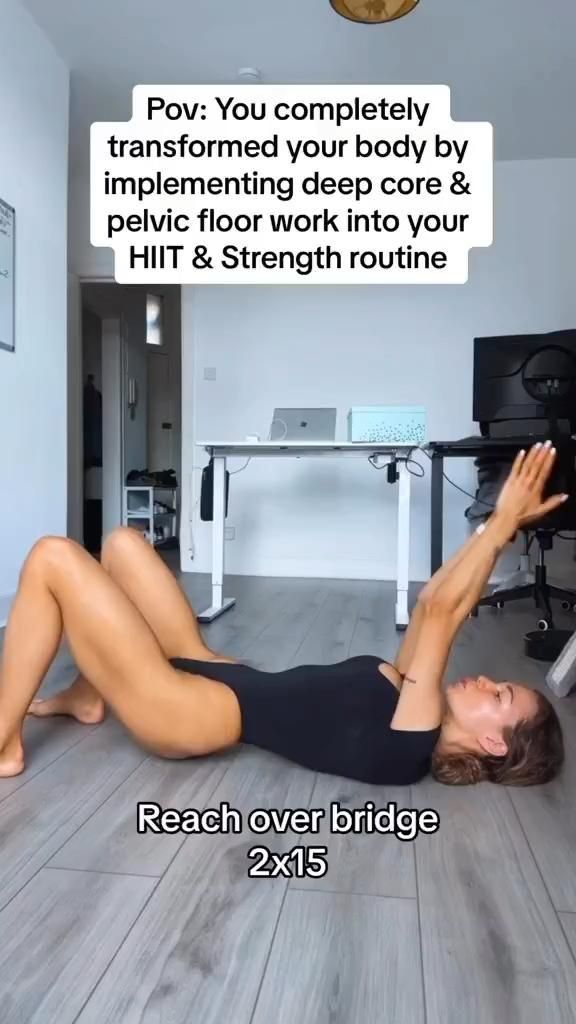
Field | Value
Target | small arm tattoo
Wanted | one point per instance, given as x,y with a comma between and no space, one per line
408,679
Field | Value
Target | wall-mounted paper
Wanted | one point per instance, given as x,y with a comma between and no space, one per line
7,245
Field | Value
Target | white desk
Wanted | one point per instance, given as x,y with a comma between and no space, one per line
220,451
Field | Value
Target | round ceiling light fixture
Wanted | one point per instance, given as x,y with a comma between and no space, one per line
373,12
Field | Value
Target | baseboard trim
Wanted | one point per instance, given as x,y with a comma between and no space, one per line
275,573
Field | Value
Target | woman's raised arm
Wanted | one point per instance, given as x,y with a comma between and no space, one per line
445,606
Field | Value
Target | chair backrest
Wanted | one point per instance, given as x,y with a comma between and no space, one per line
563,480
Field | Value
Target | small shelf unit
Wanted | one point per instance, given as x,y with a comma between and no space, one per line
154,511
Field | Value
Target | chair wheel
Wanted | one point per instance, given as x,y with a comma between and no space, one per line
543,625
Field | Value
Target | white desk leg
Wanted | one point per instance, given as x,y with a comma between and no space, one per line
220,604
403,551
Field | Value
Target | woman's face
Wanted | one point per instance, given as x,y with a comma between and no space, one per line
483,708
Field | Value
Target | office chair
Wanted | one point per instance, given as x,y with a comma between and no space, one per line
537,586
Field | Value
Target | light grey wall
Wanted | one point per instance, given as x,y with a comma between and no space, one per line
354,346
33,401
309,346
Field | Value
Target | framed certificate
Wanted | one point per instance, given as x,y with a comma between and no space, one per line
7,284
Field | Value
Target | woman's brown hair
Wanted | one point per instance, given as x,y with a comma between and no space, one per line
535,755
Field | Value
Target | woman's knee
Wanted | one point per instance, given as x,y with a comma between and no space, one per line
121,542
50,552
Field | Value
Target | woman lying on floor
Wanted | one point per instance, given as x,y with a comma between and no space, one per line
137,646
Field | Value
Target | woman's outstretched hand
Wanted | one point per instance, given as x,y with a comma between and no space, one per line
520,499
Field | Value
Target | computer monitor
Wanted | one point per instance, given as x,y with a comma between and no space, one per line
526,377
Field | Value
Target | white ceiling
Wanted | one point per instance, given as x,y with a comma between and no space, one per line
508,61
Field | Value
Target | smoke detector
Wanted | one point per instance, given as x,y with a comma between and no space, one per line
250,75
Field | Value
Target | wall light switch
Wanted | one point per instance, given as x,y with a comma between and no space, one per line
209,373
230,533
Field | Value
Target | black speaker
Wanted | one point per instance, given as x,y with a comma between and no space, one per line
207,493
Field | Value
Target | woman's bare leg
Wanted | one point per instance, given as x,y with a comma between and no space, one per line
62,587
140,572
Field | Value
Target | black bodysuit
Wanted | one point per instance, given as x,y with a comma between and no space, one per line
330,718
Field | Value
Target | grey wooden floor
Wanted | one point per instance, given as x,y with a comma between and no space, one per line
101,925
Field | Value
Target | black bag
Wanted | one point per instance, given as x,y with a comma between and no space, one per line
207,493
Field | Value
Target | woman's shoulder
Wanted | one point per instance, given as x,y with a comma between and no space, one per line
405,757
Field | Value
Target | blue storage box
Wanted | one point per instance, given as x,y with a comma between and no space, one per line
389,424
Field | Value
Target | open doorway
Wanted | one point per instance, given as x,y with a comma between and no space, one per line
92,428
131,362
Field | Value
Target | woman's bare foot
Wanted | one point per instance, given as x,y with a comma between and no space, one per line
11,759
84,707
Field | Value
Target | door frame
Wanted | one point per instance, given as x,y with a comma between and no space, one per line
75,413
113,410
75,418
112,424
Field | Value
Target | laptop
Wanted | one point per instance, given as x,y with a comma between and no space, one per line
303,425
